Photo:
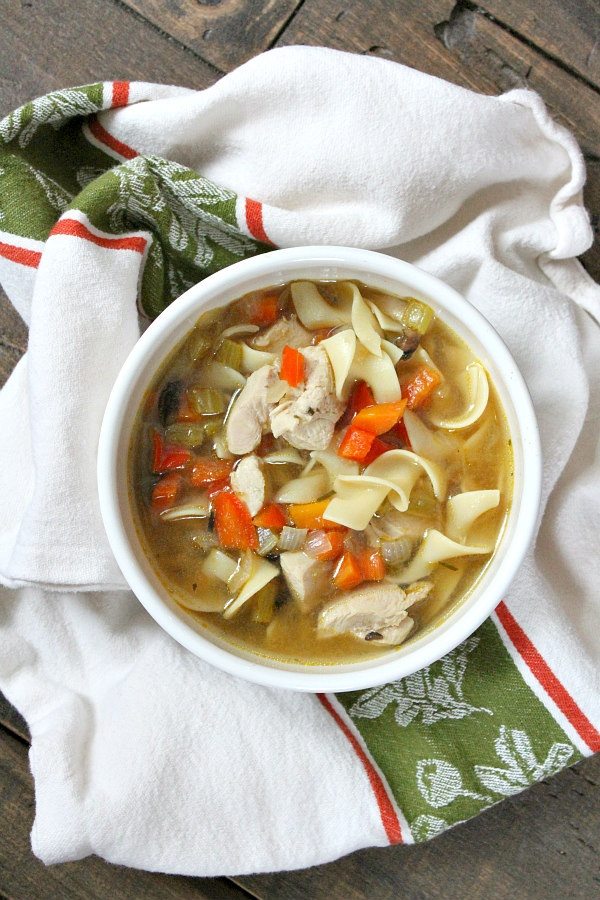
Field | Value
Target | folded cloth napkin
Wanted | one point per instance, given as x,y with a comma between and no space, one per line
116,193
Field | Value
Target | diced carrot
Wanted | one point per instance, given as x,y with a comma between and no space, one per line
207,469
262,310
292,366
355,444
166,490
377,448
361,396
310,515
380,417
347,573
371,564
420,387
270,516
165,458
401,432
324,545
233,522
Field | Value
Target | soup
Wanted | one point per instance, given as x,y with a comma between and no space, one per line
320,471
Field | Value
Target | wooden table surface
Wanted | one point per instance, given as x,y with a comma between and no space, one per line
541,844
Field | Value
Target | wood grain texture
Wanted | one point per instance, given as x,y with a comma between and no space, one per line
23,877
542,845
48,44
568,30
224,32
458,42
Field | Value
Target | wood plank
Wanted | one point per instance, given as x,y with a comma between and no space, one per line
566,29
23,876
537,845
63,44
457,42
12,721
13,337
224,32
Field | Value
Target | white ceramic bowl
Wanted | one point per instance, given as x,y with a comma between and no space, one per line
166,332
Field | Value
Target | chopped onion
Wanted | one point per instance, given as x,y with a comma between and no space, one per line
245,328
242,572
398,551
291,538
219,565
267,541
198,510
287,456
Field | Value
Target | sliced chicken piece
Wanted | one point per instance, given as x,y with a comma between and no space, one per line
250,412
307,422
372,612
392,634
307,578
284,332
248,482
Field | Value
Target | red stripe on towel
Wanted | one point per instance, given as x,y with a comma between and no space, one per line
254,221
102,135
548,680
21,255
74,228
387,812
120,93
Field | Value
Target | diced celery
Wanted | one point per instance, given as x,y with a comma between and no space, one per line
198,345
213,426
229,354
417,316
207,401
264,603
189,434
422,503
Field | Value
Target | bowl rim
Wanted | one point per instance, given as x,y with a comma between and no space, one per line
442,639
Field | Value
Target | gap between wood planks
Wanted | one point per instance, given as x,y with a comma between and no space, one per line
464,8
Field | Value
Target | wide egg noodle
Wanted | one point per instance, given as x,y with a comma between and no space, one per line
254,359
285,456
216,375
363,321
378,372
354,507
476,389
314,311
261,574
435,548
304,489
402,467
333,464
386,322
435,445
463,509
340,349
394,353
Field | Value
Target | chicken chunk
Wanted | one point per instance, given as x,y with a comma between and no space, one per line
372,612
248,482
250,412
306,578
284,332
307,421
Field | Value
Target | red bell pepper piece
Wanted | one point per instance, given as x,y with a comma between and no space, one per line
271,516
420,387
166,458
347,573
207,470
380,417
371,564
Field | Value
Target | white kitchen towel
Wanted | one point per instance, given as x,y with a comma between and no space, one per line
119,194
